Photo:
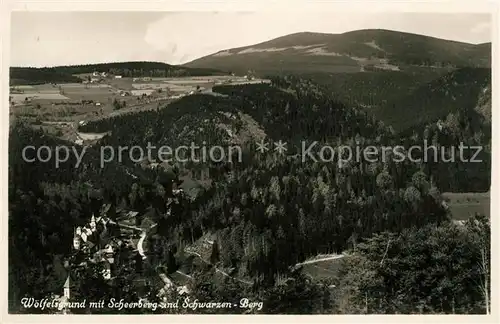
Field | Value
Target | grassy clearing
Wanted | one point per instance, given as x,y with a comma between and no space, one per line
20,97
466,204
323,269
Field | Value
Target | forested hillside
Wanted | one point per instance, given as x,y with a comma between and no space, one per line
374,89
67,74
455,91
411,99
440,270
270,211
47,202
28,76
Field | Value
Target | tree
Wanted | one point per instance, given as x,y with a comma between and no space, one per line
384,180
388,273
412,195
296,294
215,255
117,104
478,228
171,262
419,180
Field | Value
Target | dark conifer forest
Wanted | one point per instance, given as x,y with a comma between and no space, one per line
266,215
68,74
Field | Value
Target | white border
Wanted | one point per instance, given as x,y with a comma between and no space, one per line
257,5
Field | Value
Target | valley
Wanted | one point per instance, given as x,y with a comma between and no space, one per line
371,236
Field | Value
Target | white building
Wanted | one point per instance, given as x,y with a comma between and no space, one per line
92,223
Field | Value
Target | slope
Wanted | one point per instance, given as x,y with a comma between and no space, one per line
454,91
348,52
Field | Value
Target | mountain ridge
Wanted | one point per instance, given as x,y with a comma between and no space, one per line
310,33
353,51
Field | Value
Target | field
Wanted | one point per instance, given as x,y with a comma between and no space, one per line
323,269
51,106
464,205
20,97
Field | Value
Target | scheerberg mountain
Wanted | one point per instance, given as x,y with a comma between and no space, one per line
355,51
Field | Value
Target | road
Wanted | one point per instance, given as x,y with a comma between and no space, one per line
140,248
333,257
143,236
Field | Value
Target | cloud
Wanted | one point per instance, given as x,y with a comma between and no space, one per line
187,36
481,28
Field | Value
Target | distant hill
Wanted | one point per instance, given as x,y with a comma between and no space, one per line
375,89
459,90
409,99
66,74
27,76
362,50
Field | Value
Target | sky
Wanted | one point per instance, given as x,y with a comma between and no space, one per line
63,38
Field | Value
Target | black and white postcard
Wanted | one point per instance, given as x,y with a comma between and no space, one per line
250,162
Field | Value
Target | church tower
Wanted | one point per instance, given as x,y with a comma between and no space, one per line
67,292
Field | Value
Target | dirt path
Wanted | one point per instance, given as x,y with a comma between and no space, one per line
184,274
144,234
333,257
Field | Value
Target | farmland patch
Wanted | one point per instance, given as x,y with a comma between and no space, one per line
466,204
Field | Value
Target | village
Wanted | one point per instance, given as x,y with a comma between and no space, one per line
115,239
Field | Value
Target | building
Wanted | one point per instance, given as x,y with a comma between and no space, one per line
67,288
95,241
64,300
439,124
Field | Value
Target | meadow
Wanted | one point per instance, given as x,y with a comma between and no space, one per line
466,204
323,269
